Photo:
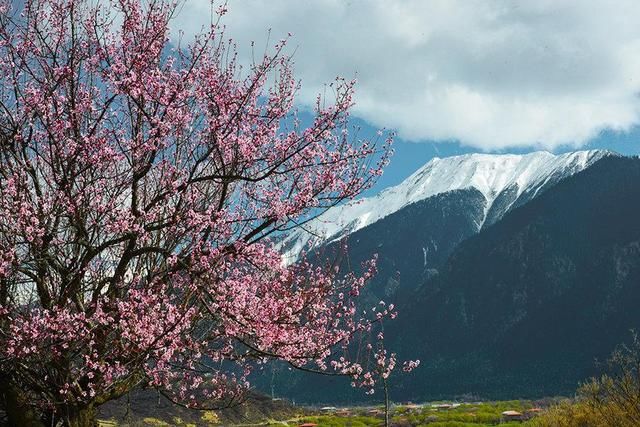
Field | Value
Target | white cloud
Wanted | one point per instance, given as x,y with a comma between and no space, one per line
492,74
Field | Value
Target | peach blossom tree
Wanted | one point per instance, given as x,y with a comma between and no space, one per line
142,184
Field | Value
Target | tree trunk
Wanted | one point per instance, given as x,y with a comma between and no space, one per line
386,402
18,413
80,416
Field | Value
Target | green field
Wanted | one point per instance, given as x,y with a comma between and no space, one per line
434,415
437,414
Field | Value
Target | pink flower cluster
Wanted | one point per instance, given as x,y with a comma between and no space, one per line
140,185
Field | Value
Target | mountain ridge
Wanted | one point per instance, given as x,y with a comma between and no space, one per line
522,307
505,180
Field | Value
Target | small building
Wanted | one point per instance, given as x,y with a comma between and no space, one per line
512,416
442,406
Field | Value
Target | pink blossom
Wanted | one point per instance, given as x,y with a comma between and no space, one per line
140,187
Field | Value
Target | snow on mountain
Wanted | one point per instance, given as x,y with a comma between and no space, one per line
490,174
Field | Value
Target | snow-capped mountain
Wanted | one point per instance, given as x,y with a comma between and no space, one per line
510,274
505,181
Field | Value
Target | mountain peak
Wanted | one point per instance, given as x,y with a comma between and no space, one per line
490,174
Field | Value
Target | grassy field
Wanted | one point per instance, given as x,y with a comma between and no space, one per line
438,414
434,415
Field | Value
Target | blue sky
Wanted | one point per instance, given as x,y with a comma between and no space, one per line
458,76
409,156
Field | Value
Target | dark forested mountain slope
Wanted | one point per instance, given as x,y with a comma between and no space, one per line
413,243
526,306
521,308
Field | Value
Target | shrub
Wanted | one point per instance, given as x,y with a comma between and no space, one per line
611,400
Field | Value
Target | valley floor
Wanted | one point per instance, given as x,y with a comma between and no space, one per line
436,414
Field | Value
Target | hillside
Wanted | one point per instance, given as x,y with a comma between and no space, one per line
521,307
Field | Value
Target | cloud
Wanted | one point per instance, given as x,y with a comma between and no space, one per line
491,75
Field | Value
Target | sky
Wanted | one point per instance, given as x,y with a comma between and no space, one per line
459,76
